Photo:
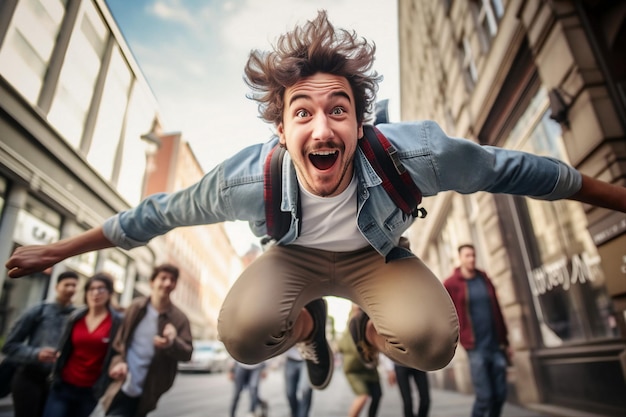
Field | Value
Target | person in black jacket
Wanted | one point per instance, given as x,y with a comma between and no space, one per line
80,374
32,342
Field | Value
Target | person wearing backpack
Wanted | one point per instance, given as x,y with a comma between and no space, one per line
32,343
317,87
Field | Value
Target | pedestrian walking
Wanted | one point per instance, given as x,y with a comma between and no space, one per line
297,387
317,87
32,342
247,376
409,380
153,337
80,374
363,378
483,332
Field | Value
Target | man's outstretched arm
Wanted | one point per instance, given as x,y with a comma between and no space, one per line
34,258
601,194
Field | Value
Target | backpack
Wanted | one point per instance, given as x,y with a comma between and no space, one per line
380,153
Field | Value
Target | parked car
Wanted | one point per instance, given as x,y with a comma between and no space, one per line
207,356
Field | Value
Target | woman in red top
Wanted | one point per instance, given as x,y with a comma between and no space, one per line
80,373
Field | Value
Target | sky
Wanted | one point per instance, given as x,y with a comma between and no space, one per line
192,54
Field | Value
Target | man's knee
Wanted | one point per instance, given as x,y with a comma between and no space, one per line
430,348
249,339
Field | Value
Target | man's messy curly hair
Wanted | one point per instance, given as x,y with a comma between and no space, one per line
314,47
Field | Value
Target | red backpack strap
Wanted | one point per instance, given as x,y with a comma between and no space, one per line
397,182
277,221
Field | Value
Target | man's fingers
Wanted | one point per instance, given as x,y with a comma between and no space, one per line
17,272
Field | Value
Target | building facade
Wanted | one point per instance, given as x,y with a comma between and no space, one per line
77,145
546,77
207,261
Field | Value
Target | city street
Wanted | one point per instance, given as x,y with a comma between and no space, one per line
209,395
204,395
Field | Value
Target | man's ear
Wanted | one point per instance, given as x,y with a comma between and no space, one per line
281,133
360,131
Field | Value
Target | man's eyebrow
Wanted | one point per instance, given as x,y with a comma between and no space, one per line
298,97
306,96
341,94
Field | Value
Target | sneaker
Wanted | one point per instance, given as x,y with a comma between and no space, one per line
317,351
367,353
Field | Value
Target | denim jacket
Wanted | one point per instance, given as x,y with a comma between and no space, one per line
40,326
234,189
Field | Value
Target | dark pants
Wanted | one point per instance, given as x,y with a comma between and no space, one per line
488,370
123,405
66,400
403,378
375,393
30,390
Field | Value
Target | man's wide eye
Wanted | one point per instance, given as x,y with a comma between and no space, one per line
302,113
338,110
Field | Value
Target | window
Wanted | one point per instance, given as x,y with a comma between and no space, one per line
28,45
489,14
565,277
79,73
106,136
470,74
139,118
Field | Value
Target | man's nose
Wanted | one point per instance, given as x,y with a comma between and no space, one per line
321,128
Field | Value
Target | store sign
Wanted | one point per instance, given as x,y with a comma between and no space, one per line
564,273
30,230
608,228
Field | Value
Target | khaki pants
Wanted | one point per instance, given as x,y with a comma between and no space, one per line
407,304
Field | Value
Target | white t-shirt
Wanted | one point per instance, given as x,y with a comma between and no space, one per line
329,223
140,353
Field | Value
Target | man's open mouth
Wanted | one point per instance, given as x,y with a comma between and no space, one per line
323,160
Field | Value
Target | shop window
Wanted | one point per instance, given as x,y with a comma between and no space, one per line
565,277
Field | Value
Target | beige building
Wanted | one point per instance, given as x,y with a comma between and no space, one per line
546,77
207,261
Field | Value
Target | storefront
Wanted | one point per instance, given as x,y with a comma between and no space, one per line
36,224
559,281
575,325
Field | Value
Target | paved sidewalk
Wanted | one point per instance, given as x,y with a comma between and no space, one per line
335,401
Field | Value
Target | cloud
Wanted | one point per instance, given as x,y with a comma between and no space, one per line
168,10
196,20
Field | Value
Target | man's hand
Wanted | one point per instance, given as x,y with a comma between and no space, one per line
119,371
27,260
167,340
47,355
